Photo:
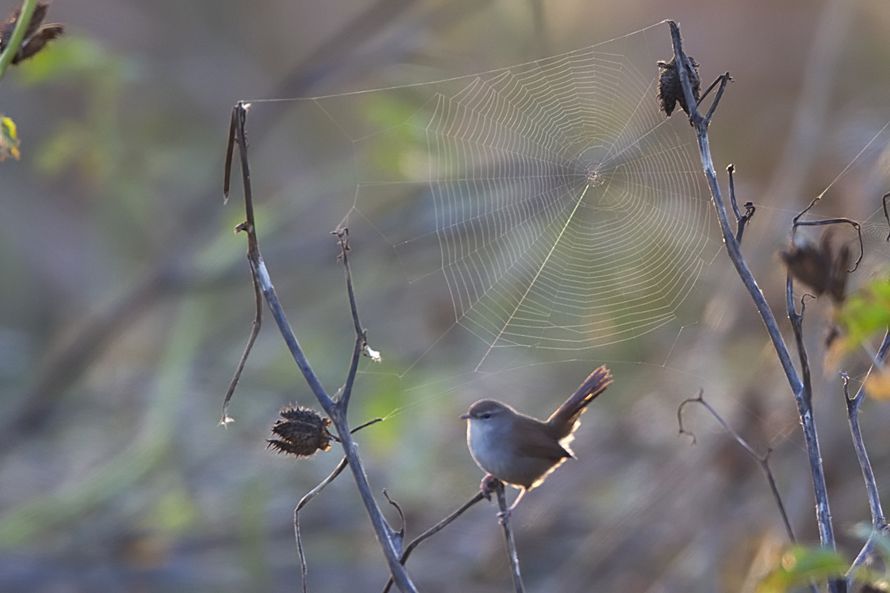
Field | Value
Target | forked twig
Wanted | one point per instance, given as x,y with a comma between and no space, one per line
433,531
854,403
384,532
307,498
762,460
741,220
801,391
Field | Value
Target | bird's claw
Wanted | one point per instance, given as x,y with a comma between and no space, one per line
488,485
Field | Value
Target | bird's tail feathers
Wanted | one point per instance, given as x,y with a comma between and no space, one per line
565,418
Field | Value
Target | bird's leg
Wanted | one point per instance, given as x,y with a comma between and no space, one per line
504,515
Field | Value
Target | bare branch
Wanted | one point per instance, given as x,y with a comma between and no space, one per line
382,529
361,340
762,460
878,520
741,220
400,534
801,395
508,537
255,326
304,571
433,531
723,79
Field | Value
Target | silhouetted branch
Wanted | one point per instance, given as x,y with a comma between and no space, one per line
723,79
304,570
508,537
385,533
338,469
361,335
878,520
801,392
741,220
433,531
762,460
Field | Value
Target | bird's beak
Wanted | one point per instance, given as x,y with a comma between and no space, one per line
464,416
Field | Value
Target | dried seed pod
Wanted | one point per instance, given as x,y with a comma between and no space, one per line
35,38
819,267
670,89
301,432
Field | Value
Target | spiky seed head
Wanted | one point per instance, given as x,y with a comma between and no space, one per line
300,432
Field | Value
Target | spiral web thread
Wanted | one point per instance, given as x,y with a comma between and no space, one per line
568,211
569,215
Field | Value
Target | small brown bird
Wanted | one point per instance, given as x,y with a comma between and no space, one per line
520,450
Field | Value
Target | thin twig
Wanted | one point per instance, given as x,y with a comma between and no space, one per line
724,79
741,220
304,570
361,336
399,536
831,221
762,460
433,531
878,519
733,249
255,326
508,537
382,529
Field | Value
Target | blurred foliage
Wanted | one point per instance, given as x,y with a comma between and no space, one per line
864,314
801,565
9,139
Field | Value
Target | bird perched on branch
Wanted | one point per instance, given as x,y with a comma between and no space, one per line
520,450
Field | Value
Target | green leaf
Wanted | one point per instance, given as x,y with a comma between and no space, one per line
9,139
866,312
67,57
801,565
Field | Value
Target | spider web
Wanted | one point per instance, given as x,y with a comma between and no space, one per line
539,216
551,203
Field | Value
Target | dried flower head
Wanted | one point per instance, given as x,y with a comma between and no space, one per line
36,36
300,432
819,267
670,90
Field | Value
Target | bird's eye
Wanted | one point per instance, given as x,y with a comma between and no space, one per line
485,416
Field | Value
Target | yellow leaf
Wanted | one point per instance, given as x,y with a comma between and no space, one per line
878,385
9,139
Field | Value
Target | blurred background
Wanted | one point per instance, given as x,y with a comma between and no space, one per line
126,300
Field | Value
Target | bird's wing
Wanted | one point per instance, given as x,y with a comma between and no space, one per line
541,445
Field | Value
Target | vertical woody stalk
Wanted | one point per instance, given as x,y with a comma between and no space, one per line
801,390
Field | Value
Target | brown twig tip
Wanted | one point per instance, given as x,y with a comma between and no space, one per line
819,267
36,37
670,91
301,432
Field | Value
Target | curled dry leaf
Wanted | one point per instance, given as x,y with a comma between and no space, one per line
819,267
670,90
